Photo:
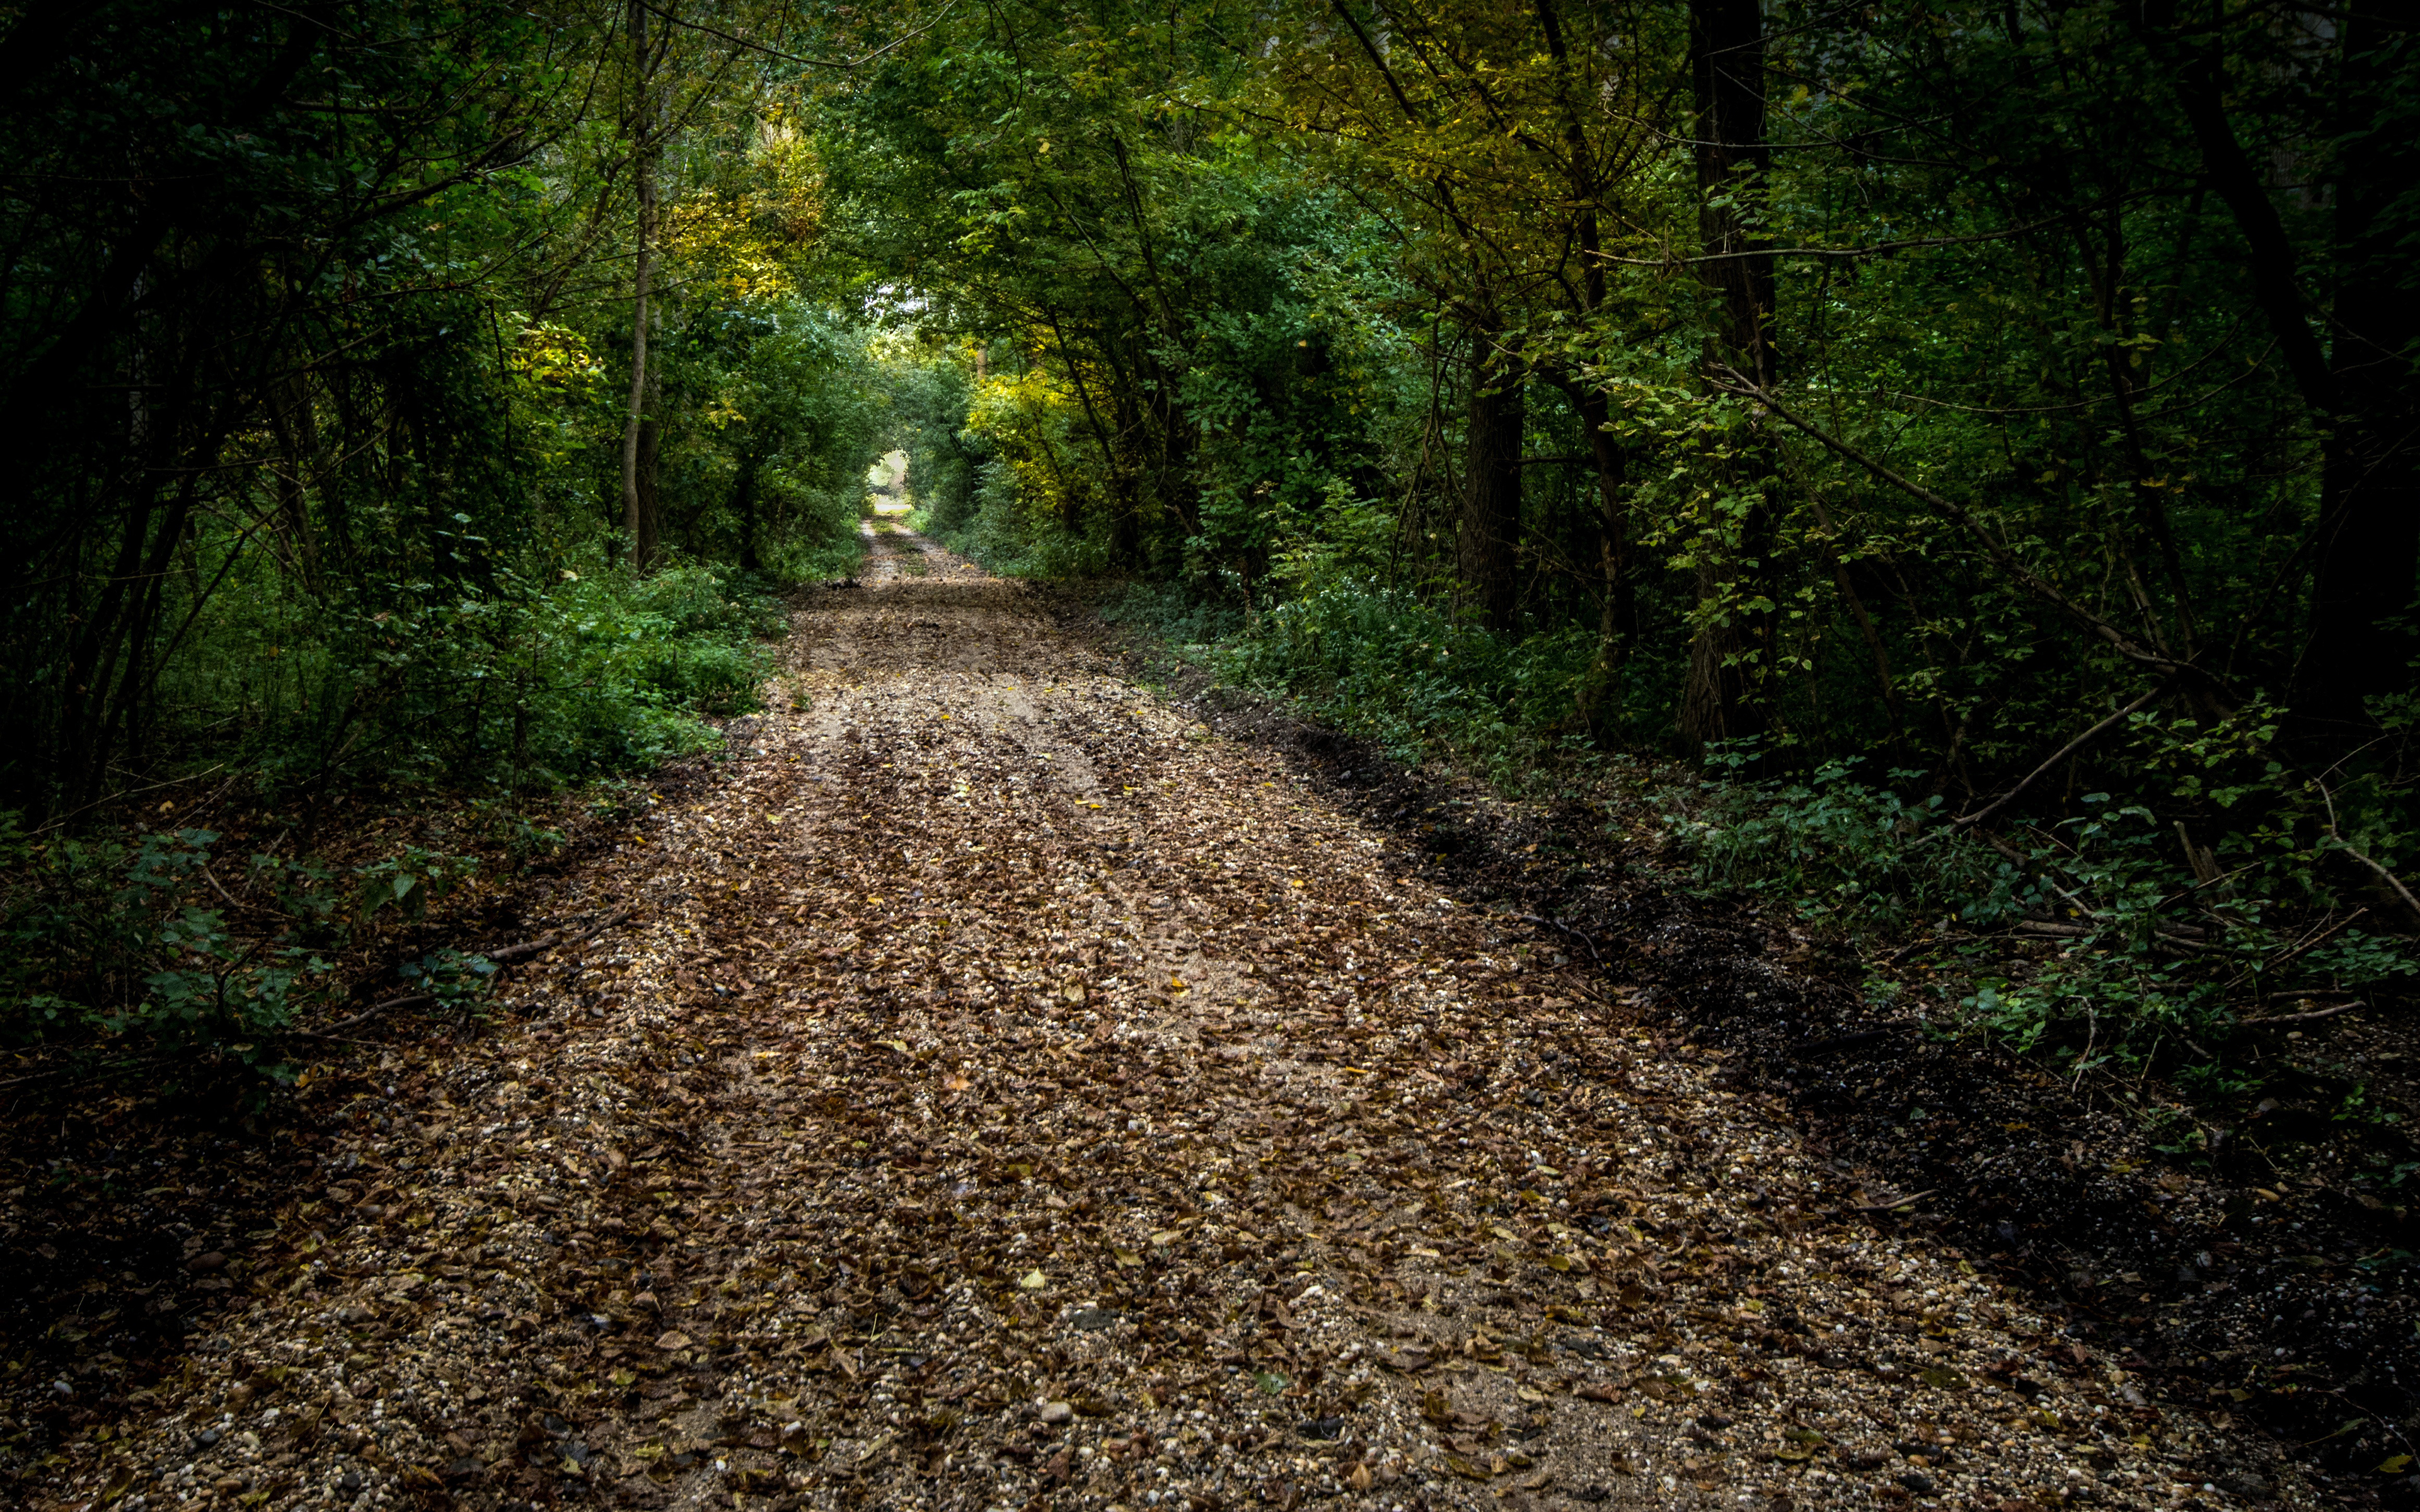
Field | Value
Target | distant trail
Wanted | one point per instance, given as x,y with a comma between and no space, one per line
1008,1096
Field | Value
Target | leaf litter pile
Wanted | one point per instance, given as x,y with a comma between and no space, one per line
1006,1095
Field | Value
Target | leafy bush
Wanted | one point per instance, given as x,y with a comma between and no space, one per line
133,941
1173,612
2152,960
1835,852
137,938
523,685
1382,661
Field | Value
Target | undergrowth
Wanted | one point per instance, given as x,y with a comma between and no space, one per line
158,942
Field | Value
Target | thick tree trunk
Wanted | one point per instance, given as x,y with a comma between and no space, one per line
2360,384
2361,643
1616,614
1726,75
1491,517
1617,611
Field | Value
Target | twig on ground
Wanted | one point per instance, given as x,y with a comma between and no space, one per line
1897,1203
102,1075
508,953
1928,943
211,877
2296,952
2328,1013
1558,924
407,1000
116,797
1864,1034
551,941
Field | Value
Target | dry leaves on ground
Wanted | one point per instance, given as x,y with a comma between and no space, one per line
1008,1096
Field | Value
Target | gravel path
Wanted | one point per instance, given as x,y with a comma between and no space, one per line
1006,1095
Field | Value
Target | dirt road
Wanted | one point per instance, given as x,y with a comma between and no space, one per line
1007,1095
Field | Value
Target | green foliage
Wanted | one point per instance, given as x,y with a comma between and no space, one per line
2140,956
516,682
1387,663
131,939
1842,856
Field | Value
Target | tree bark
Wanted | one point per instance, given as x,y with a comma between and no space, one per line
1617,617
2360,642
1491,518
2360,385
743,503
649,537
1727,77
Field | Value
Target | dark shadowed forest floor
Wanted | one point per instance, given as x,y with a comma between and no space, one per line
999,1088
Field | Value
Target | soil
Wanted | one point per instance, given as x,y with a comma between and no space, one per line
997,1086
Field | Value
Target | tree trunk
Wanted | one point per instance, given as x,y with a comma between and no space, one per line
2361,643
743,502
293,424
1617,616
638,432
1491,517
1726,72
1727,76
2360,385
648,539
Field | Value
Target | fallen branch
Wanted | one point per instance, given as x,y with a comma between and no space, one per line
2384,875
1969,821
2388,877
407,1000
551,941
211,877
2313,1015
1919,947
1897,1203
510,952
1558,924
2296,952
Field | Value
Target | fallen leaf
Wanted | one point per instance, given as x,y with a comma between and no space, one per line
672,1339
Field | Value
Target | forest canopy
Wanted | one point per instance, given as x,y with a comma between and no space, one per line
1983,435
